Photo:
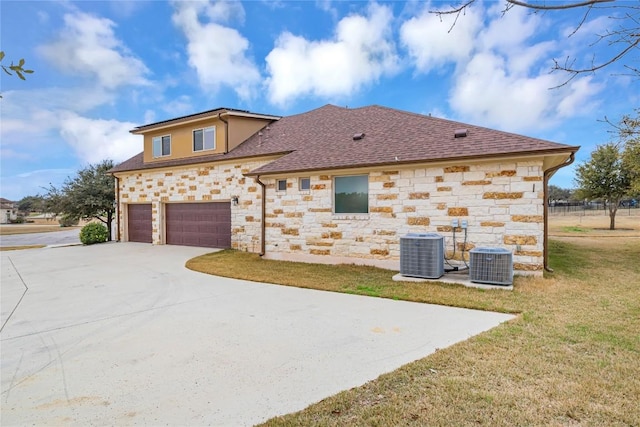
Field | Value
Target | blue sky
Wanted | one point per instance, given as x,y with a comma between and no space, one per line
103,68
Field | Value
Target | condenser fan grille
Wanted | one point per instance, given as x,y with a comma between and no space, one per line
491,265
422,255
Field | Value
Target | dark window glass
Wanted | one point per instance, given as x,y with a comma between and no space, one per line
351,194
305,184
197,140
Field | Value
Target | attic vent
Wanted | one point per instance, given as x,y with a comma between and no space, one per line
358,136
460,133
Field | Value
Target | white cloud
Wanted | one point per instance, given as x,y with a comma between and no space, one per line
88,46
15,187
508,31
432,42
485,92
178,106
95,140
588,29
502,69
13,154
327,6
217,53
149,116
21,109
361,51
580,97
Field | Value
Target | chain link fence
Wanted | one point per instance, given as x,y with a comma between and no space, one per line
627,207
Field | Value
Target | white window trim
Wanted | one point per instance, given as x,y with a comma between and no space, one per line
153,153
215,139
278,185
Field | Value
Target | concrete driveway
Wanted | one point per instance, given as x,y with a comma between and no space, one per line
122,333
63,237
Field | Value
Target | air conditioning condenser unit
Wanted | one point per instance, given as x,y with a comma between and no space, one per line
491,265
422,255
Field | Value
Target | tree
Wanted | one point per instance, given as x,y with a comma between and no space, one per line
90,194
622,39
556,193
18,69
604,177
628,133
631,163
31,204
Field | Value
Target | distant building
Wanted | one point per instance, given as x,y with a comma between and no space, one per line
8,211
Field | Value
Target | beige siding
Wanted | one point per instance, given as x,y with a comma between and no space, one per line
241,128
182,140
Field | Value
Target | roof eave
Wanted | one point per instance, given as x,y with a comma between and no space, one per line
205,115
568,150
192,161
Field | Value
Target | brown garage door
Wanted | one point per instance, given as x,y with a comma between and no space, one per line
199,224
139,223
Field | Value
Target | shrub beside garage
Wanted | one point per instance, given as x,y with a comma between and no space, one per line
94,233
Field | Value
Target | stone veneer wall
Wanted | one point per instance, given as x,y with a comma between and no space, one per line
502,202
210,183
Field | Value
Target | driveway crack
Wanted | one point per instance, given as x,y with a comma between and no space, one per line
26,289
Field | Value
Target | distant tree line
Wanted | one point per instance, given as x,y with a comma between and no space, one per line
88,195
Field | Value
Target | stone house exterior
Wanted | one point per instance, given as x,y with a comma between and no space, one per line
8,211
337,185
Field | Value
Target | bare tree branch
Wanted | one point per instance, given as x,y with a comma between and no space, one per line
622,38
457,11
601,65
556,7
628,127
452,11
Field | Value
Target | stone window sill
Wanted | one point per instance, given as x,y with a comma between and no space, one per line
351,217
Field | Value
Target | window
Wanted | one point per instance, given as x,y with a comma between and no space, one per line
281,185
162,146
351,194
204,139
304,184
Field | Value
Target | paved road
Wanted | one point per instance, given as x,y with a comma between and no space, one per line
122,333
64,237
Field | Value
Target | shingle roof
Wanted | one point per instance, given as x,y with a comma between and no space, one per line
323,139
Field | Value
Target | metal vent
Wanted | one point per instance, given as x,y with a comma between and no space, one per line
491,265
460,133
422,255
358,136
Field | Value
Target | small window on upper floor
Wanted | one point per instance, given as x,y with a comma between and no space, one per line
304,184
204,139
281,185
162,146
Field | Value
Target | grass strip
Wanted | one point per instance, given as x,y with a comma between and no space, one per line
17,248
8,230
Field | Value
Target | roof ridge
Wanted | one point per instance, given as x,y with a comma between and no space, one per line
203,113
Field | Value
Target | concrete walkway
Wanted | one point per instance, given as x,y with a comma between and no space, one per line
122,333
